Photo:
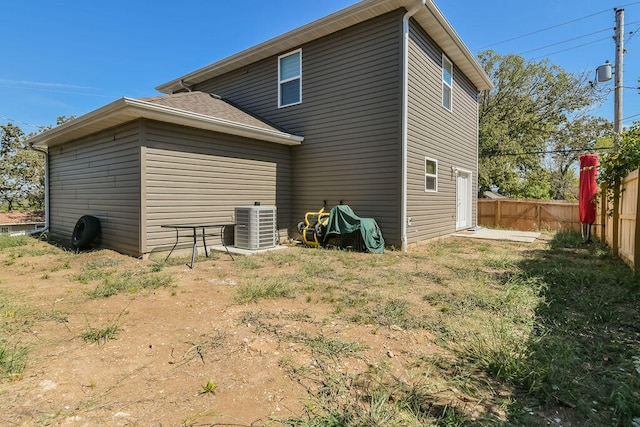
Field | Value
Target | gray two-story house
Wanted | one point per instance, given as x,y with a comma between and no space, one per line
375,105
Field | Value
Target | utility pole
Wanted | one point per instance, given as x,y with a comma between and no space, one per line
618,82
617,121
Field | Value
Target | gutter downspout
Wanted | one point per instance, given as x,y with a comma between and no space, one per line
405,116
46,190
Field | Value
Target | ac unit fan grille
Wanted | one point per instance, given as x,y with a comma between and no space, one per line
255,227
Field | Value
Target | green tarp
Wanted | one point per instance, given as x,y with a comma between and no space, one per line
342,221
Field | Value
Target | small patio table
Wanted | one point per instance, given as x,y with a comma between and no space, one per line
194,232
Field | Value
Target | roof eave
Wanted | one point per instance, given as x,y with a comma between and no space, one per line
125,110
430,17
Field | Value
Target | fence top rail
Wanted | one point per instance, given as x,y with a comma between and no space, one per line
538,201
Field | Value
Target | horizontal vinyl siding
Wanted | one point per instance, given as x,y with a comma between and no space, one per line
350,117
450,137
194,176
98,175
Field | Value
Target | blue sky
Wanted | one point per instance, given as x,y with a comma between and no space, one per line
71,57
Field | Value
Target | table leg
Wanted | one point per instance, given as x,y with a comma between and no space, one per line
195,248
204,242
174,246
222,229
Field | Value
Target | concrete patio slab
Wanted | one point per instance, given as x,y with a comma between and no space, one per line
490,234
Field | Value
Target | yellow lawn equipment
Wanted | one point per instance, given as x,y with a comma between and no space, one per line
313,227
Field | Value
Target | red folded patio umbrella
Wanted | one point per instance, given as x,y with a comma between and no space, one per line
588,189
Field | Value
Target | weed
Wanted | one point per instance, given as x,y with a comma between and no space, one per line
326,346
318,270
248,263
430,277
130,282
282,258
157,267
271,288
7,241
209,387
13,359
394,312
91,275
100,335
502,262
367,399
102,263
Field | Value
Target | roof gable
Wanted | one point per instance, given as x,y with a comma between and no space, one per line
429,18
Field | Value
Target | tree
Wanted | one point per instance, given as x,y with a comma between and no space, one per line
11,138
530,102
622,160
578,136
22,169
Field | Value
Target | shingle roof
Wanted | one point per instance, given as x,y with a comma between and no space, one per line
208,105
193,109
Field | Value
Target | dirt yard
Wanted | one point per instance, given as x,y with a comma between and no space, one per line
235,343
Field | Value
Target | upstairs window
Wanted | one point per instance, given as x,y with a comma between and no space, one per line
290,79
430,175
447,83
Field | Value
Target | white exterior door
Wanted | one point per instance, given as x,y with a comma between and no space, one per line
463,199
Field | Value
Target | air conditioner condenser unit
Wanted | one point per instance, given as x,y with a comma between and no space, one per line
256,227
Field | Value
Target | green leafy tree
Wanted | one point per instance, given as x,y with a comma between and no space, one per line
22,169
11,138
567,143
622,160
530,101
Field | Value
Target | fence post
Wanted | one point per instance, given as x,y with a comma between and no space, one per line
616,220
604,207
636,246
498,218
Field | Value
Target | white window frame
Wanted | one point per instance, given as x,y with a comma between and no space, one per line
298,77
446,62
429,175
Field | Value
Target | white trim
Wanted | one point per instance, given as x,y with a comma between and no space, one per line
433,175
468,196
405,123
446,60
298,77
430,18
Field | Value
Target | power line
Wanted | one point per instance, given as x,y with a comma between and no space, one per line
572,48
544,29
58,91
632,33
18,121
564,41
554,26
576,38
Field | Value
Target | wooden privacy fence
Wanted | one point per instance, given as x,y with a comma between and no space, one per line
621,230
526,214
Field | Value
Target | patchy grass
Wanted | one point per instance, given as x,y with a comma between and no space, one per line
267,288
129,282
101,334
454,333
556,325
7,241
